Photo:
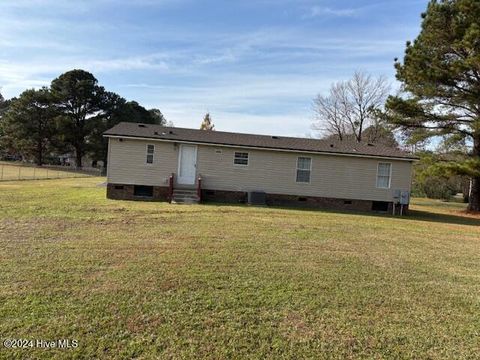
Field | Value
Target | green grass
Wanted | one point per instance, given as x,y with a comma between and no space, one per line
15,171
153,280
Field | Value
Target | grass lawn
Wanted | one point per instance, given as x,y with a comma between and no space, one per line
153,280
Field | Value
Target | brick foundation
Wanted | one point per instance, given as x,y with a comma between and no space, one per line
235,197
230,197
126,192
160,193
318,202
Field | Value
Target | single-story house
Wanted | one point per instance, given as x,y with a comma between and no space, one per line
166,163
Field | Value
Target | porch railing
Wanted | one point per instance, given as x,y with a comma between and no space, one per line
199,188
170,187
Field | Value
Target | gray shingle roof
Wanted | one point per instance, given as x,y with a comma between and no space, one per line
257,141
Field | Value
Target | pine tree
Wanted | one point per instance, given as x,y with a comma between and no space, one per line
440,75
28,125
78,98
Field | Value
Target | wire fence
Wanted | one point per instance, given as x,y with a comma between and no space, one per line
19,171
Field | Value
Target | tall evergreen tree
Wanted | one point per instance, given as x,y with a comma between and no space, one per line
113,112
28,125
115,109
78,98
3,105
440,74
3,108
157,117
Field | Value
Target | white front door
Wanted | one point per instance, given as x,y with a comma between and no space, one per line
187,163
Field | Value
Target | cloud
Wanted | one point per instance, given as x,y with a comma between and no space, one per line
149,62
17,76
277,104
317,11
256,75
81,5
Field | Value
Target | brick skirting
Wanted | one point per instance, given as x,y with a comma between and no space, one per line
235,197
221,196
160,193
318,202
126,192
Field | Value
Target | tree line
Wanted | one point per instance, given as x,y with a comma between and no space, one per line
439,100
69,116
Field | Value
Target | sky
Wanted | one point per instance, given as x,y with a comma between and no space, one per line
255,65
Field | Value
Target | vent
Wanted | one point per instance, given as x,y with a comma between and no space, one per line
143,191
170,132
275,137
155,133
370,144
381,206
257,198
142,125
331,145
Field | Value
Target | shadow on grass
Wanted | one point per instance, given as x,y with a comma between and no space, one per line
413,215
441,218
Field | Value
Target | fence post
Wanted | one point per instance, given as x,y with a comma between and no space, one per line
2,172
19,170
47,173
34,168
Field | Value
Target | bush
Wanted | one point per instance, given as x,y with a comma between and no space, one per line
440,188
429,182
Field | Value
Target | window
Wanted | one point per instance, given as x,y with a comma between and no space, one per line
304,168
150,152
241,158
384,171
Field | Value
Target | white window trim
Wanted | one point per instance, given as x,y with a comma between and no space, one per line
147,153
241,165
389,175
296,170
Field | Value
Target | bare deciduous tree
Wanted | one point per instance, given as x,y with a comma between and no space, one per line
351,106
329,113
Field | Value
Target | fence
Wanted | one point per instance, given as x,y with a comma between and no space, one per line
20,171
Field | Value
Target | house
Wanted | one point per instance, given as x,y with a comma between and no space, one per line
163,163
69,159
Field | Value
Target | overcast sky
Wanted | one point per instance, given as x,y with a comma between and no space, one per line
255,65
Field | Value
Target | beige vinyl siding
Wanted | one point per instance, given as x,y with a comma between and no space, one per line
270,171
275,173
128,162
